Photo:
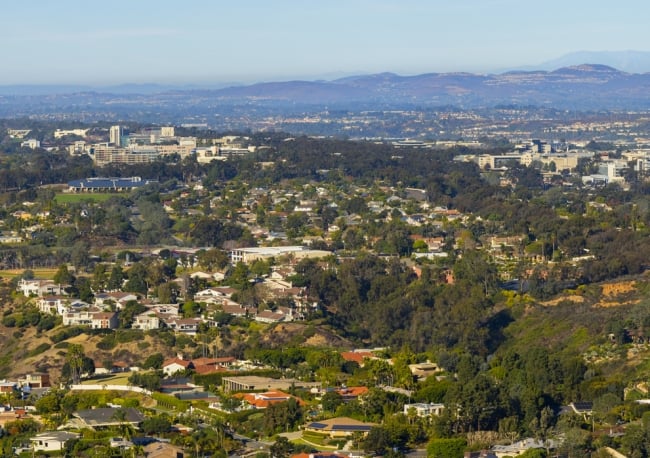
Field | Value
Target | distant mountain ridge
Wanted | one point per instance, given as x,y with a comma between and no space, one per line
627,61
585,86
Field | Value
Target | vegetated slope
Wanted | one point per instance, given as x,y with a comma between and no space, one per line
604,324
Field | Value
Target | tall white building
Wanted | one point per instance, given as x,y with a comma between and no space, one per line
167,131
115,135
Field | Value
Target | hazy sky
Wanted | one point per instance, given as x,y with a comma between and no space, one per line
119,41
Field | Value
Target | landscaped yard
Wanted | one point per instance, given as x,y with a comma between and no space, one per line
66,198
108,379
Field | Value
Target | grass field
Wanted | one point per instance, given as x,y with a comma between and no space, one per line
65,198
45,273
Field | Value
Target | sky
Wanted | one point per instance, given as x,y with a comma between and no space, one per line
242,41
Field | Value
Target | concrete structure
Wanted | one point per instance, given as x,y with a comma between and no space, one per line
255,383
78,132
248,255
115,135
98,184
167,131
31,143
105,154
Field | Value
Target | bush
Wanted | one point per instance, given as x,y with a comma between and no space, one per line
9,321
107,343
67,333
446,448
38,350
128,335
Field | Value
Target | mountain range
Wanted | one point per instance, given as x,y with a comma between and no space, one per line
580,87
587,86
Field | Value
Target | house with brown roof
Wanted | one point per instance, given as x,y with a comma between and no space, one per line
174,365
263,400
358,357
350,393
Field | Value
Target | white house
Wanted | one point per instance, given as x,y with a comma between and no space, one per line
95,320
423,409
146,321
51,441
55,305
40,288
174,365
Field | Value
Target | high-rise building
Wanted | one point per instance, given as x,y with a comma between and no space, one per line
167,131
115,135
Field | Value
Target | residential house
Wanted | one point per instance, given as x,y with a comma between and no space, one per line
234,309
424,370
424,410
146,321
269,316
263,400
55,305
104,417
40,288
339,427
351,393
51,441
117,298
163,450
358,357
189,326
37,380
11,415
502,451
175,365
93,319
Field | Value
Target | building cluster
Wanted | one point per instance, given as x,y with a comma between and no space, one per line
607,169
151,144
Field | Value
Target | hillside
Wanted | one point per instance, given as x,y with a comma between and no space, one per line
603,324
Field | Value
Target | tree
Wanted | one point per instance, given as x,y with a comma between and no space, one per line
446,448
154,361
157,424
281,448
63,276
116,279
331,400
77,362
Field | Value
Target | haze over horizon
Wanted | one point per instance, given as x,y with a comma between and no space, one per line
68,42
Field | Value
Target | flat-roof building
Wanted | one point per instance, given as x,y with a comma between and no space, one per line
247,255
255,383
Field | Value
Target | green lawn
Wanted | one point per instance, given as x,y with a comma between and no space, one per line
108,379
66,198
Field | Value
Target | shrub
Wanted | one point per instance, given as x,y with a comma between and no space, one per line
38,350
